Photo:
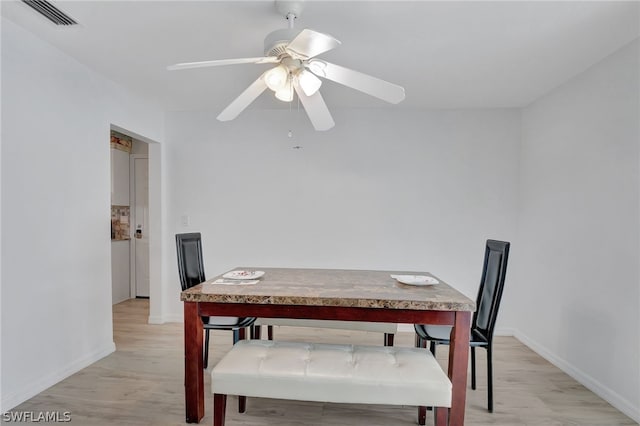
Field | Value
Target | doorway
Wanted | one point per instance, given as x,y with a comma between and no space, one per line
129,217
151,224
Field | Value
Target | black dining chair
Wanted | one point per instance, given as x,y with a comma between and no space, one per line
191,271
494,270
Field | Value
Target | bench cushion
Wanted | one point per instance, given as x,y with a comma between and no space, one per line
332,373
378,327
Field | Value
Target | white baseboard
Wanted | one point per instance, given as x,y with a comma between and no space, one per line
15,398
155,319
586,380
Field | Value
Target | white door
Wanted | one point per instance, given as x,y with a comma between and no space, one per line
139,225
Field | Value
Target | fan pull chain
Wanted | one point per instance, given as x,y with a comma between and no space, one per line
290,134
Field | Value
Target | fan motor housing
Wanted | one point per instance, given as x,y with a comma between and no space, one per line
277,40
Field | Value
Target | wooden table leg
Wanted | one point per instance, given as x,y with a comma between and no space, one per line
458,360
193,368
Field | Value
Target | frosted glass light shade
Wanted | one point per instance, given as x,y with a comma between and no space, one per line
276,78
286,93
309,82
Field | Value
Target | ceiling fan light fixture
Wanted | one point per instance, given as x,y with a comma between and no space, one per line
285,94
276,78
308,82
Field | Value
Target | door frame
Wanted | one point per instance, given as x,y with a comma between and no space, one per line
132,249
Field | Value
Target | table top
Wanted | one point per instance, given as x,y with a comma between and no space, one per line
333,287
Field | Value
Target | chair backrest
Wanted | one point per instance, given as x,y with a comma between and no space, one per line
190,264
494,271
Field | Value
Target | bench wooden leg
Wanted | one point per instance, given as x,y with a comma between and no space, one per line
219,408
441,416
242,404
422,415
270,332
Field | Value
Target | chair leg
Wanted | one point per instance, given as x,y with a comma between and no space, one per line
388,339
242,333
422,415
242,404
473,367
432,347
418,343
236,336
219,408
490,378
206,349
256,332
270,332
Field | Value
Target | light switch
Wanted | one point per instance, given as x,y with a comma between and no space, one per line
184,219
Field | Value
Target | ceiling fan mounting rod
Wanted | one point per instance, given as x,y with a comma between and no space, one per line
291,17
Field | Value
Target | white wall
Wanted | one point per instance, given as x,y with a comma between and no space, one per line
56,276
578,231
386,189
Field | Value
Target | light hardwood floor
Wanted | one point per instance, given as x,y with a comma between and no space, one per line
142,384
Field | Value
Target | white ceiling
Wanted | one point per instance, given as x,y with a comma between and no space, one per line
446,54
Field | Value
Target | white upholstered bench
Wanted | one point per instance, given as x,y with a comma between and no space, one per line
331,373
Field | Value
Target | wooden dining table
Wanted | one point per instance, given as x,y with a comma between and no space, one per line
328,294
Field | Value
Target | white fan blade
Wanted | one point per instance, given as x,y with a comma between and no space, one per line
244,100
316,109
188,65
356,80
310,43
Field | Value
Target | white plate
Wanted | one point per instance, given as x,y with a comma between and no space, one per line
415,279
235,282
243,275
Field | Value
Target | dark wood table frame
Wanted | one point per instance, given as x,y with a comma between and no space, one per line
193,340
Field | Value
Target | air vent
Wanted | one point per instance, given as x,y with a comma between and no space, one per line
50,12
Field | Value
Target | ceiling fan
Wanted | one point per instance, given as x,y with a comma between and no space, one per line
298,68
